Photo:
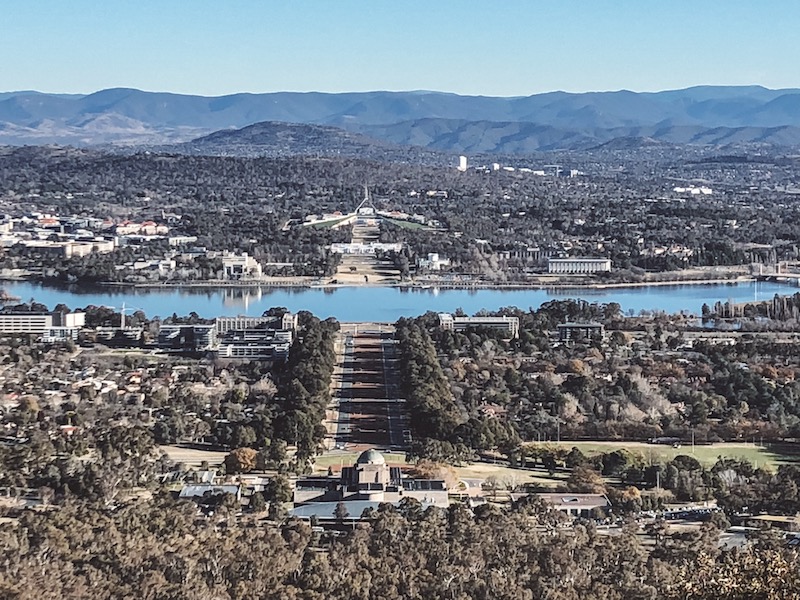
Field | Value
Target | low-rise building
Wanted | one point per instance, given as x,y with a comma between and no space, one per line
63,248
570,332
578,265
162,266
148,228
240,266
187,338
433,262
181,240
31,323
255,344
371,481
504,323
50,326
226,324
255,338
120,337
577,505
206,491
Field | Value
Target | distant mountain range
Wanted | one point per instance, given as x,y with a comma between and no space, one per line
715,115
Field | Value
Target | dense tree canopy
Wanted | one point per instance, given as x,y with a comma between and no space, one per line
158,549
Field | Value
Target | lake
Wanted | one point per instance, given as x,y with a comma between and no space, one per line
384,304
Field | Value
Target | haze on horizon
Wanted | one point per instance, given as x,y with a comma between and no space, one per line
465,47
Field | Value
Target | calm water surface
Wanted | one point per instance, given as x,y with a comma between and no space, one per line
354,304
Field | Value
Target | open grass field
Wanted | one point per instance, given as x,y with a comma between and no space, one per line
765,457
761,456
482,470
406,224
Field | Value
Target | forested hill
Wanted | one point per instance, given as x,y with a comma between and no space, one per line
413,140
277,139
435,120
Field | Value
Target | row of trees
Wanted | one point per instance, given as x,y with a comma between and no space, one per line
434,413
304,385
780,308
441,427
286,406
737,485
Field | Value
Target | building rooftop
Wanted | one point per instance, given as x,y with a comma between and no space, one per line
371,457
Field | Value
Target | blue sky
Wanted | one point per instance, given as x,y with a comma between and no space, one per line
500,48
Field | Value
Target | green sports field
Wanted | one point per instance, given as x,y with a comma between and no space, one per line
761,456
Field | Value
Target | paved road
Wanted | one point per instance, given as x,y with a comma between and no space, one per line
367,410
345,391
394,406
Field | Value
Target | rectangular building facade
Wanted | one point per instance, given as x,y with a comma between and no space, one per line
568,332
25,323
240,266
255,344
226,324
577,505
43,324
578,266
505,323
187,338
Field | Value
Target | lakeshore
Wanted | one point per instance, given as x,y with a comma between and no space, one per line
307,282
381,303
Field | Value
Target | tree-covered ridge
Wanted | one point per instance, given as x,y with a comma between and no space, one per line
158,549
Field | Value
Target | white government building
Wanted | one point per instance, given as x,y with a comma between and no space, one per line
504,323
578,265
365,248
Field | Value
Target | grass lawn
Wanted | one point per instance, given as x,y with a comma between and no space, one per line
193,457
328,224
706,455
407,224
481,470
769,457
